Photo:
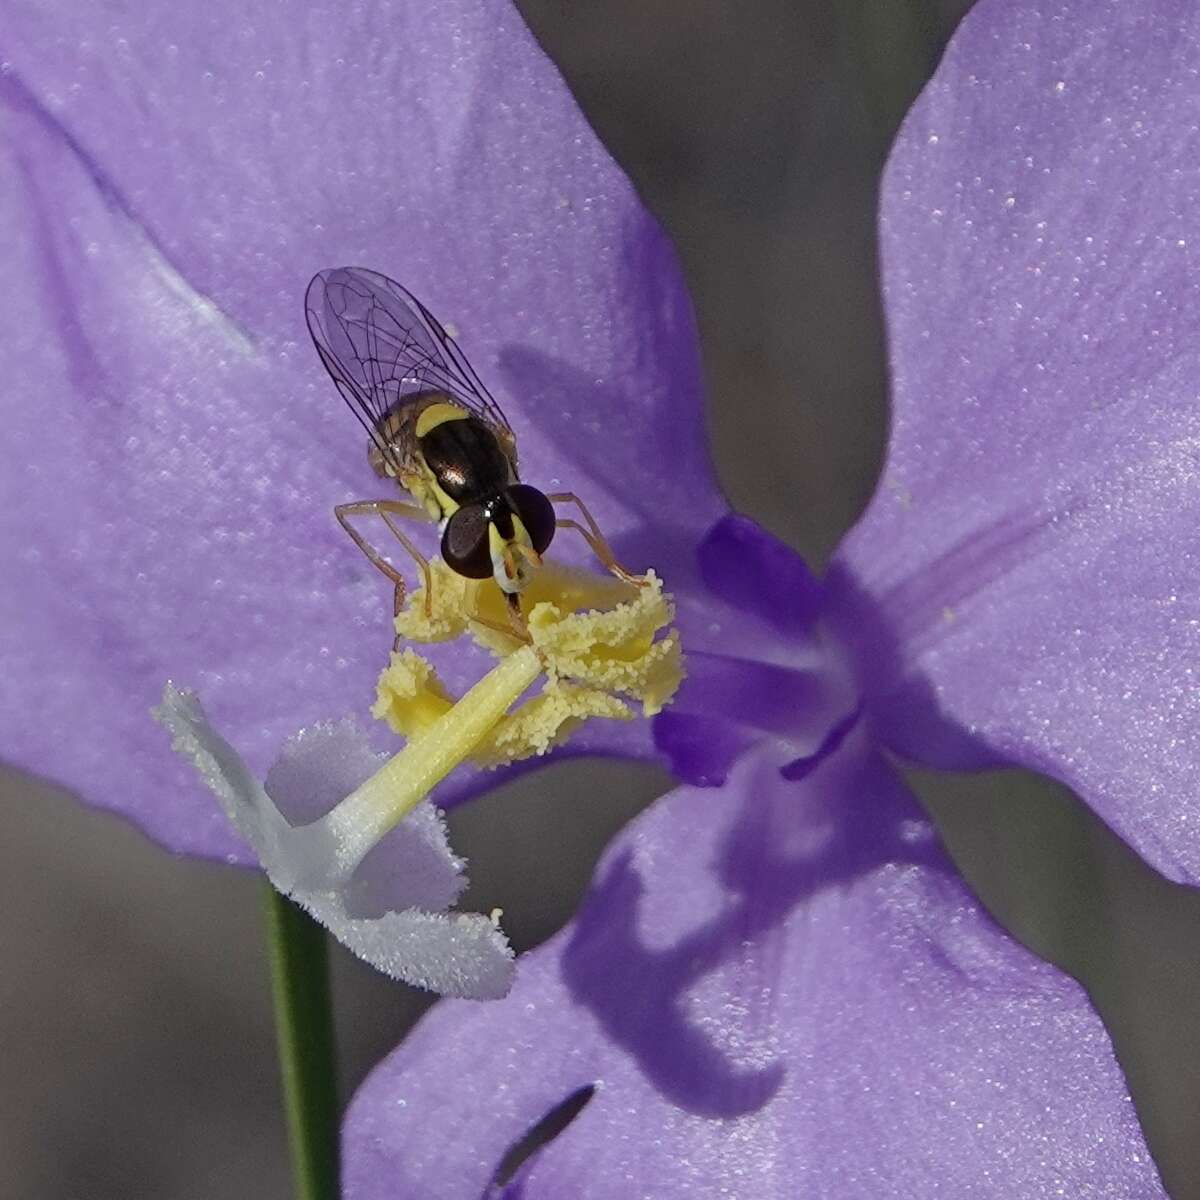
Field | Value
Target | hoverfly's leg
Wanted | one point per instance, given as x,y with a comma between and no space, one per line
422,561
382,508
516,626
516,618
592,535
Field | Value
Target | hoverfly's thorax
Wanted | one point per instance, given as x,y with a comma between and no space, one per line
463,456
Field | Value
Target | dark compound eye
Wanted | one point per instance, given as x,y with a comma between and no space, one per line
465,545
536,513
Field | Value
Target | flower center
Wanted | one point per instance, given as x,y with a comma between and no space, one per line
762,665
595,640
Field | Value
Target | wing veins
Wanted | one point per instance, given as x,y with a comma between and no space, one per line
381,346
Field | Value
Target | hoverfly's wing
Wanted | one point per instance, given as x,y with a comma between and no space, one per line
380,344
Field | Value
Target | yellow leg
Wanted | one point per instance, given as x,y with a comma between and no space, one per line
386,510
592,535
516,627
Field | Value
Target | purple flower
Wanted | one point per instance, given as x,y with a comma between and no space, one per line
778,985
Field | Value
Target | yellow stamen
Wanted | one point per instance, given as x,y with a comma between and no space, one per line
595,636
414,698
585,656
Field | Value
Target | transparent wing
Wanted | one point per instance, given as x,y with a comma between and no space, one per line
380,344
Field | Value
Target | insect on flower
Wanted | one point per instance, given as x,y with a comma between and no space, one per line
597,646
436,430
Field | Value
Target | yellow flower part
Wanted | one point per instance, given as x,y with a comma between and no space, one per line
594,638
412,698
597,643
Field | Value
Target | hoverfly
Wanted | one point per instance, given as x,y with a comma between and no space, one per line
436,430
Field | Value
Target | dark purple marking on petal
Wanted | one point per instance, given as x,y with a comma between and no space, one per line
758,664
700,749
752,570
798,702
800,768
516,1163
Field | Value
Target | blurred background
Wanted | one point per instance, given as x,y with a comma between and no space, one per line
138,1049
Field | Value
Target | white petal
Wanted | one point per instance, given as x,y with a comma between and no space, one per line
453,954
379,911
411,867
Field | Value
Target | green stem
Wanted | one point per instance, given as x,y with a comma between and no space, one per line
304,1031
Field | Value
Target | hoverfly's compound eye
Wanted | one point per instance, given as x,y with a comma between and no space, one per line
465,544
536,513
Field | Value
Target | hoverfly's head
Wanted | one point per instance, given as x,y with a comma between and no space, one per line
504,537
